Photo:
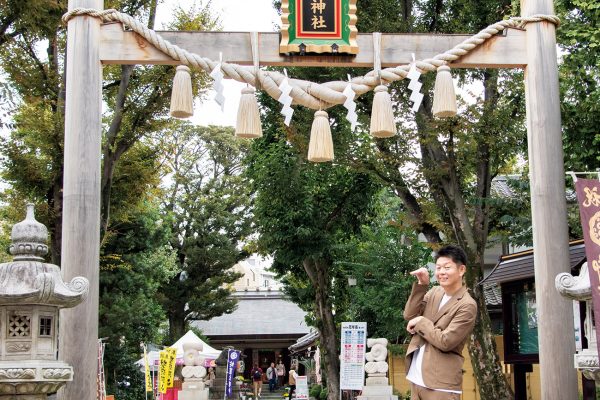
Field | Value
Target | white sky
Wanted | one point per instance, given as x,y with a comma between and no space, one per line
235,15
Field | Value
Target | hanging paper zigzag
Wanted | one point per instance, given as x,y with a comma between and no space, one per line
413,74
286,99
350,105
218,76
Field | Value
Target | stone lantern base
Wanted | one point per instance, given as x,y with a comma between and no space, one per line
32,380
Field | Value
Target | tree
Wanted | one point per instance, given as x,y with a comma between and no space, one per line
380,259
303,211
33,61
579,82
136,261
208,204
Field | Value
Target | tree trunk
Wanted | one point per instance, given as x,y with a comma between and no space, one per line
484,355
316,269
176,315
55,211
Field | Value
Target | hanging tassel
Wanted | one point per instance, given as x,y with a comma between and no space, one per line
320,147
182,100
248,117
382,114
444,98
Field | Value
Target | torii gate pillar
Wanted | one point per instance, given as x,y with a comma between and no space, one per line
78,328
548,205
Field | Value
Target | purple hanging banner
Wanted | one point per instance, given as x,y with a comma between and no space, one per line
232,360
588,196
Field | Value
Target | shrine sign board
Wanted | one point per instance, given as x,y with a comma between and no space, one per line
318,26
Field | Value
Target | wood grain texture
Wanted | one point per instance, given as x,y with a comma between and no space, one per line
121,47
81,199
548,204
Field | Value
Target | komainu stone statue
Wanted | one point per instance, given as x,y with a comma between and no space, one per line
193,373
377,386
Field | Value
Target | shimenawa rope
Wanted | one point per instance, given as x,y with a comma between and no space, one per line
323,95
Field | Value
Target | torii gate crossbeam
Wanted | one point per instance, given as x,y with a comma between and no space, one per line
89,45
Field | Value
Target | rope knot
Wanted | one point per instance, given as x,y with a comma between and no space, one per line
92,12
522,21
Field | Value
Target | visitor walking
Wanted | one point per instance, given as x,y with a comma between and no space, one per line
256,375
292,380
272,377
280,373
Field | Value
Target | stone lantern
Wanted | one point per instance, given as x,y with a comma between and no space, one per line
31,296
579,288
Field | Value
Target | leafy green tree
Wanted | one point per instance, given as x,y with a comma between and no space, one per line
579,40
136,261
208,204
380,259
303,211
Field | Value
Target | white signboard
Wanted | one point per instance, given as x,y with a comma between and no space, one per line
302,387
352,360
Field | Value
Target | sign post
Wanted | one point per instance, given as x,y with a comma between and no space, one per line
302,388
352,360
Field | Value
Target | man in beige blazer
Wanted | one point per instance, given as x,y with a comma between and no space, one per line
440,321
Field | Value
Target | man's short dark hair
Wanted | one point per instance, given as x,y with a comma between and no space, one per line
454,253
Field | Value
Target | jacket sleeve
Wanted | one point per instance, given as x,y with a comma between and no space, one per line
416,302
455,333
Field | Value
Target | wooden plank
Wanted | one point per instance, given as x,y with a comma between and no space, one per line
122,47
80,252
548,205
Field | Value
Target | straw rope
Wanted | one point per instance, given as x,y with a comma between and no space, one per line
312,95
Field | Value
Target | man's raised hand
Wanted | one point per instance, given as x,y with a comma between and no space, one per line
422,275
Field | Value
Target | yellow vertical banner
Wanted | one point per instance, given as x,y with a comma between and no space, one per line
163,372
147,371
171,358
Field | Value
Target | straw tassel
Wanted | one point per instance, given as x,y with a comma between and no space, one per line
182,99
444,98
248,116
382,114
320,147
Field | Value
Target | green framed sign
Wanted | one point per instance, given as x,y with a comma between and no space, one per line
318,26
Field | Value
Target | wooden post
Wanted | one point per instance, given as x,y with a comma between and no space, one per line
81,199
548,205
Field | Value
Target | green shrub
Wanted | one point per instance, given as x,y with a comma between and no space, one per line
323,394
315,391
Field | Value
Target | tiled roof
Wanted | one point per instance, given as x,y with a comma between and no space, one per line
517,266
258,313
492,294
305,341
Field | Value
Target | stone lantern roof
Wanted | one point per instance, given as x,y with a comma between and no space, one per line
27,279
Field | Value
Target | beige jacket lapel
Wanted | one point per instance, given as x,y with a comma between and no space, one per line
449,304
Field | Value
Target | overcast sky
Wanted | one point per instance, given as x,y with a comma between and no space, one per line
235,15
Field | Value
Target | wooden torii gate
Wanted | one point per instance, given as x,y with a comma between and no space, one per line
90,45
